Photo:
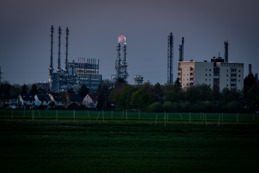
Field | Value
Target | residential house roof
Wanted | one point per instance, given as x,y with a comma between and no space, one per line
93,97
43,97
28,97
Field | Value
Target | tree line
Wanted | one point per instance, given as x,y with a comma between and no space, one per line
159,98
172,98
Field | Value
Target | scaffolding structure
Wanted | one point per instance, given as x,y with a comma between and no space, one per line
121,65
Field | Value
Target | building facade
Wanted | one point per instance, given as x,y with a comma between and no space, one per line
217,74
77,74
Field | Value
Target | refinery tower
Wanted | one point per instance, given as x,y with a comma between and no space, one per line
84,71
121,64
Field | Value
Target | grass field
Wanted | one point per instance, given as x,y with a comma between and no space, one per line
82,141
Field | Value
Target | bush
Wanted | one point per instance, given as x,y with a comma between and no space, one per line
234,106
155,107
168,106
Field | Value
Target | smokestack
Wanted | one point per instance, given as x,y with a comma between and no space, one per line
66,63
226,51
181,46
249,68
51,50
170,59
59,47
180,52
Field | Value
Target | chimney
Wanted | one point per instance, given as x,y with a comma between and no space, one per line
256,76
66,63
226,51
51,50
59,47
170,58
181,47
249,68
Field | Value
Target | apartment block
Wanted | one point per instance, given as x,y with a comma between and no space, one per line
217,74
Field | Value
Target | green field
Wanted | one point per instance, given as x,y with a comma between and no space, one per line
82,141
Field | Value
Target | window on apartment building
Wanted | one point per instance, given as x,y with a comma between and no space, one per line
205,79
227,75
209,74
227,85
238,75
205,74
227,70
205,69
210,69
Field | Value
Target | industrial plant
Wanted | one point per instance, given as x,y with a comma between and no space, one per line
218,73
121,64
75,74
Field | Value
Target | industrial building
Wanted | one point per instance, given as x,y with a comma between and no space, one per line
75,74
218,73
121,64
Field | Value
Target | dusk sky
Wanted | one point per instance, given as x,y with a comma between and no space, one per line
96,24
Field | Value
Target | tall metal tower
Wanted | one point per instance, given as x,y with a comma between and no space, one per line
124,64
66,62
51,51
118,62
59,47
170,58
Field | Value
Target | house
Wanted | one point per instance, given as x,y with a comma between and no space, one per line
42,99
27,100
57,99
90,101
13,103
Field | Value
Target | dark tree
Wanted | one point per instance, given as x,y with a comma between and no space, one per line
83,91
15,90
120,83
5,91
251,93
71,91
34,89
103,92
24,89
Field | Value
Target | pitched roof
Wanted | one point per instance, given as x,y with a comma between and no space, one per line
56,96
28,97
43,97
93,97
